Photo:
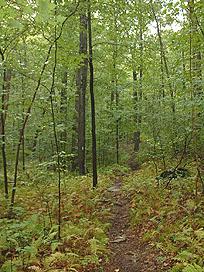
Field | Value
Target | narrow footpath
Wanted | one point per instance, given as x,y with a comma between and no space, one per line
129,253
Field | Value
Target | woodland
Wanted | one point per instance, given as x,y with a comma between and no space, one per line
102,135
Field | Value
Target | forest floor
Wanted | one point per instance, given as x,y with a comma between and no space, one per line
129,252
128,224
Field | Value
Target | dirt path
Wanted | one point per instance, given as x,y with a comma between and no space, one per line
128,251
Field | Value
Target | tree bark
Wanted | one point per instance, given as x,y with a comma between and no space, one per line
136,135
4,108
37,133
93,115
63,111
137,94
81,83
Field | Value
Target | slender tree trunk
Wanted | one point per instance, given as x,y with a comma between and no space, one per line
4,109
117,122
137,95
135,101
81,82
184,70
140,86
23,104
3,148
37,133
23,153
63,111
56,137
162,76
93,115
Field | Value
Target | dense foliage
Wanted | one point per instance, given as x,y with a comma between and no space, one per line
143,62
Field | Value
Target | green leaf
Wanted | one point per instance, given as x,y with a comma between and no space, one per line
15,24
54,245
8,267
193,268
45,7
3,3
200,233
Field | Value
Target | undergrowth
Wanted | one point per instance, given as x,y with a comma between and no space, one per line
172,218
29,241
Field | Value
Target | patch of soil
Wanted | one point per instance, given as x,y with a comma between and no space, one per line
129,253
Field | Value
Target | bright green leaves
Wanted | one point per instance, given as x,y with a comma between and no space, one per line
15,24
49,17
60,18
193,268
45,11
15,17
2,3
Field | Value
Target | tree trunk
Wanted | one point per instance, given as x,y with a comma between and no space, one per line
183,71
136,135
37,133
137,95
93,116
4,107
81,82
63,111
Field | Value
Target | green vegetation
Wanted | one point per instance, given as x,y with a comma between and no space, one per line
31,238
93,93
172,218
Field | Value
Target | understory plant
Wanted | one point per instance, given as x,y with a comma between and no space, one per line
29,241
173,217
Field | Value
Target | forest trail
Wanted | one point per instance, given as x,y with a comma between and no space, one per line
129,253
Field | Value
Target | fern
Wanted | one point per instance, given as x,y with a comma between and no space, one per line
193,268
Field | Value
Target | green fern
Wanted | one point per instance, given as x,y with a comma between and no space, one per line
193,268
